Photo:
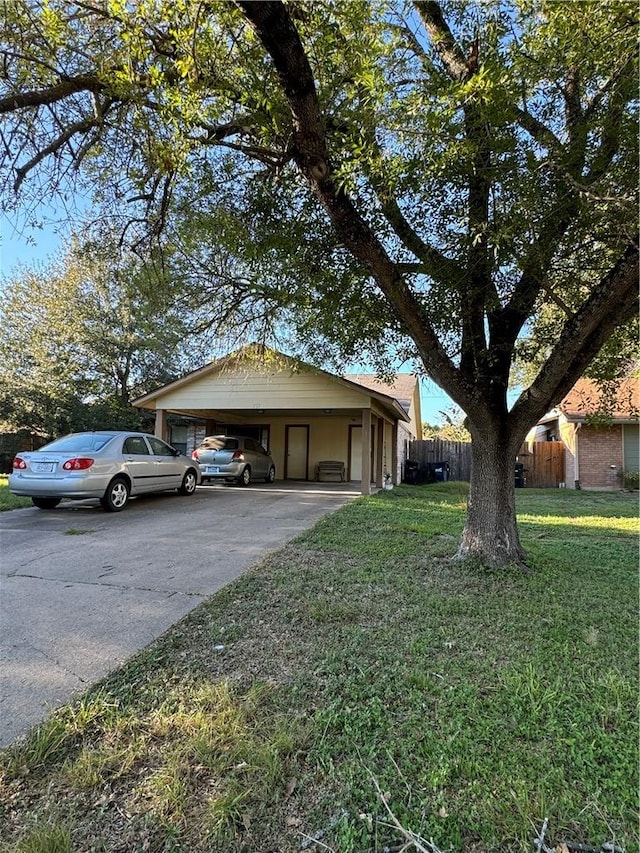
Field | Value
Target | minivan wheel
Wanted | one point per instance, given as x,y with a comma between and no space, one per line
46,503
189,483
116,496
245,477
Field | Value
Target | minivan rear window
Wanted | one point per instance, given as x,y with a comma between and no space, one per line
213,442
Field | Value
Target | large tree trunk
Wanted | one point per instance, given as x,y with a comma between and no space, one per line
491,533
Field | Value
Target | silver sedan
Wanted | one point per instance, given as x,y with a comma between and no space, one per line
108,465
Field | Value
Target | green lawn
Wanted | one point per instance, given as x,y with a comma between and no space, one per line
9,501
359,686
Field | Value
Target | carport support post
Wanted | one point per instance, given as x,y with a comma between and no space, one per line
365,484
161,424
395,466
379,453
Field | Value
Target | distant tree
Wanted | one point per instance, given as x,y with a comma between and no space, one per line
452,429
429,176
82,335
617,359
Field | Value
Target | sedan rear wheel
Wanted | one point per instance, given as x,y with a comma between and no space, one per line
116,497
189,483
245,478
46,503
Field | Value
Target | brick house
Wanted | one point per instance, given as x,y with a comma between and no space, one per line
599,428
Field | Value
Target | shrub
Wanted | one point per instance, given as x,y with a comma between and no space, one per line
631,480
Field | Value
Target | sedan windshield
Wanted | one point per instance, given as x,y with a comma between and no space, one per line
82,442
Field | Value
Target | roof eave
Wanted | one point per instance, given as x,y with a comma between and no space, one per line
385,399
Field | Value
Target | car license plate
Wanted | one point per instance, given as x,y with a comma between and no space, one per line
212,469
43,467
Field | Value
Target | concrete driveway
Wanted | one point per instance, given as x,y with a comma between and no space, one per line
81,590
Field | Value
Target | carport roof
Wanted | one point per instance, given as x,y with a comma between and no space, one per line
254,355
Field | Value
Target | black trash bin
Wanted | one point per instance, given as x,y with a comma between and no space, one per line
520,479
440,471
427,473
411,472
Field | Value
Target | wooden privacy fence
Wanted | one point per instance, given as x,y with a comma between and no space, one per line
543,460
456,453
543,464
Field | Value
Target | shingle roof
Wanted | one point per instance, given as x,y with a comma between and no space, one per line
402,388
621,402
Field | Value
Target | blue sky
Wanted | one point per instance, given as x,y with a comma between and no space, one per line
21,244
434,402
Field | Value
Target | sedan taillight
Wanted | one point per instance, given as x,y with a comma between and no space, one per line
19,464
79,463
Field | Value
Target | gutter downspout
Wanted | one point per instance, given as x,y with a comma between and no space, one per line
576,461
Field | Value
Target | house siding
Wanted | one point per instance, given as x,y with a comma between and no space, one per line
257,390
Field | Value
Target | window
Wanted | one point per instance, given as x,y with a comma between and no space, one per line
80,443
214,442
178,438
136,445
159,448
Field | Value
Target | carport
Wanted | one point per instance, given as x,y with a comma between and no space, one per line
301,414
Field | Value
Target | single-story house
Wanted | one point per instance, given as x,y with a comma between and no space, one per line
599,427
301,414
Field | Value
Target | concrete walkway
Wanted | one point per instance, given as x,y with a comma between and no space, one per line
82,590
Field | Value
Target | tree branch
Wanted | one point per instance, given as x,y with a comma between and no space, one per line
275,29
54,145
443,41
434,263
624,74
582,337
572,103
506,323
537,129
477,288
610,137
40,97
